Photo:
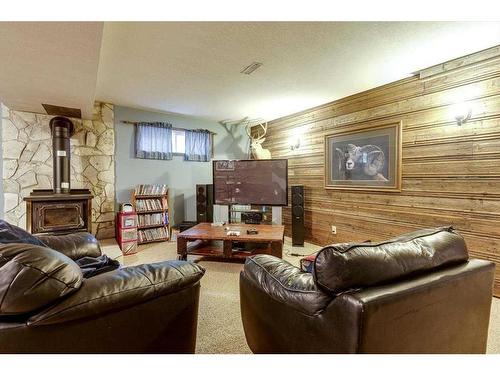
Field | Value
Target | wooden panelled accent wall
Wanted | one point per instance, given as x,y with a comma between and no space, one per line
451,173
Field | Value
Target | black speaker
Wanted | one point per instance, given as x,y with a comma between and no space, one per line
298,215
204,203
185,225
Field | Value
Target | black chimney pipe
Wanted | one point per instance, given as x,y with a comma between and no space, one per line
62,129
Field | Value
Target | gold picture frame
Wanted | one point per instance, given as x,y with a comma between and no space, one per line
364,157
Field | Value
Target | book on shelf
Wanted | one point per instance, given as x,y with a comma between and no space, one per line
152,234
151,203
148,205
153,219
155,189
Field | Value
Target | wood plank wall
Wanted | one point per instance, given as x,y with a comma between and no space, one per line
451,174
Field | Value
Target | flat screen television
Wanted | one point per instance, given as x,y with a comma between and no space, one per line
259,182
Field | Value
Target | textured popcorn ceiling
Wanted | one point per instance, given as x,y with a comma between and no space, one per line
194,68
50,62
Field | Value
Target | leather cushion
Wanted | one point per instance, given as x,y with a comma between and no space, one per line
286,283
343,267
32,277
307,263
120,289
74,245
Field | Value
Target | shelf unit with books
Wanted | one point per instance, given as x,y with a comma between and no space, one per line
151,205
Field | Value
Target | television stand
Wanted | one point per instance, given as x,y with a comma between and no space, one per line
252,216
213,242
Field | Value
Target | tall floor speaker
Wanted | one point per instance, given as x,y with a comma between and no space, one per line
298,215
204,203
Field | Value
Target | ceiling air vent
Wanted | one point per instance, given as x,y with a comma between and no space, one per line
55,110
251,68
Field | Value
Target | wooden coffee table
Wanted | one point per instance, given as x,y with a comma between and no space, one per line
212,241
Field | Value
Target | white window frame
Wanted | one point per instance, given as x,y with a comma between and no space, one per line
178,141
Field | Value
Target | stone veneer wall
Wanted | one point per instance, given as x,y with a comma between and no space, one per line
27,163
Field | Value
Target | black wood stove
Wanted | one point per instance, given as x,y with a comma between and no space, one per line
60,210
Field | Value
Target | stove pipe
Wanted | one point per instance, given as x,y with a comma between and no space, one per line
62,129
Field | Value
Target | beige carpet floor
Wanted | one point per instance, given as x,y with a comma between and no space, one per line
219,324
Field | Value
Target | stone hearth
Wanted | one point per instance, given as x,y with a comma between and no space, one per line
27,162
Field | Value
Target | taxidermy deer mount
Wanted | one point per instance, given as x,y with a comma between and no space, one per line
256,141
258,151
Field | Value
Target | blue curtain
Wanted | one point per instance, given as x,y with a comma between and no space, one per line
153,140
198,145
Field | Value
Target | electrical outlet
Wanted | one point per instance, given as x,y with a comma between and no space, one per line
334,229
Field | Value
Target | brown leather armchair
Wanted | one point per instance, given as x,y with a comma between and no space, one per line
417,293
46,306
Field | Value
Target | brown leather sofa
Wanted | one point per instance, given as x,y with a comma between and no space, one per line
417,293
46,306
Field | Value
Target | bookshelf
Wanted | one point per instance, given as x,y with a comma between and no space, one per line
153,220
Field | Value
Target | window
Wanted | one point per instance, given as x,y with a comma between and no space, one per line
198,145
153,140
178,141
159,140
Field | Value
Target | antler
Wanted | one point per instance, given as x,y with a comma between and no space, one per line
249,126
264,127
247,129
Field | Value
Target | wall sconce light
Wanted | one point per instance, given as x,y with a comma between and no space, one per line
294,143
462,113
295,136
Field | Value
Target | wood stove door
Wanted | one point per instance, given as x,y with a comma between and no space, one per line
61,217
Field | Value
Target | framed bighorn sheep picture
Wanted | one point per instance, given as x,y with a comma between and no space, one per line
364,158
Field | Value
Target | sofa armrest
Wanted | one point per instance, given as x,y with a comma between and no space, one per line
285,283
73,245
120,289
